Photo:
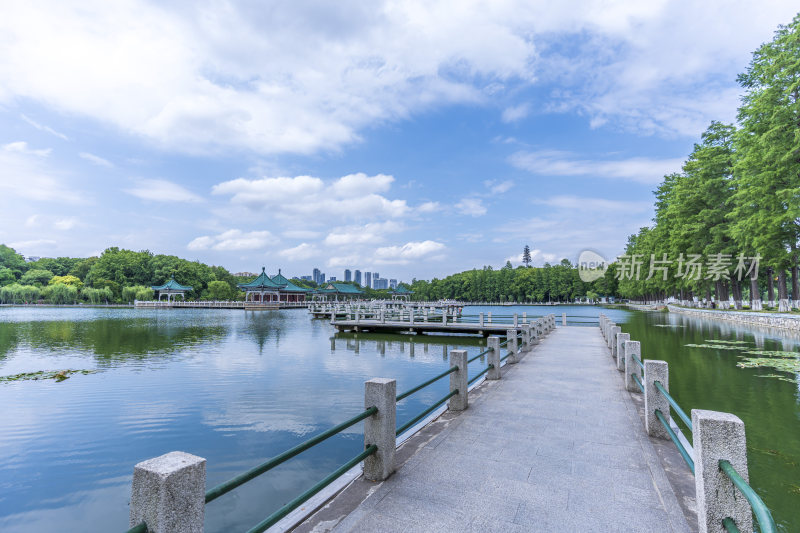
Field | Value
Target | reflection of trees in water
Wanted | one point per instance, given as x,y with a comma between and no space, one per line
411,344
264,325
109,339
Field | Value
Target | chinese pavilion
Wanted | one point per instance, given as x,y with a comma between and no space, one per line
274,289
335,290
170,289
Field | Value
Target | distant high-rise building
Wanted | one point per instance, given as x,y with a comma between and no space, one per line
316,276
368,279
392,284
380,283
306,278
357,277
375,276
348,276
332,278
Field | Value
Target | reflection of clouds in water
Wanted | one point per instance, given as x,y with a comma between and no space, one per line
99,507
714,328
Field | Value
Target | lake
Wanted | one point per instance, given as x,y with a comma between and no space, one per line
238,387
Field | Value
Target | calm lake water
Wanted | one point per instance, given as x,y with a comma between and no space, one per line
238,387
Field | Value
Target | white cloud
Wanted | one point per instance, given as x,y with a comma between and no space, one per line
471,206
300,252
498,187
315,200
561,163
233,240
301,234
408,252
96,159
365,234
65,224
428,207
515,113
162,191
305,77
35,244
42,127
27,174
583,204
21,147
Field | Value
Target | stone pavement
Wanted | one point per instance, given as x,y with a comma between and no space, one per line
555,445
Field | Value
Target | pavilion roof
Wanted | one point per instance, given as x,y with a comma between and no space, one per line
402,289
340,288
263,281
285,284
171,285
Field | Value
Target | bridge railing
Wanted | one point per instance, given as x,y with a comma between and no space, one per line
717,454
170,490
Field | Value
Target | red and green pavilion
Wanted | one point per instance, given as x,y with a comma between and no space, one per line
171,289
272,289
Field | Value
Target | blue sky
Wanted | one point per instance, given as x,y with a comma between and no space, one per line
411,138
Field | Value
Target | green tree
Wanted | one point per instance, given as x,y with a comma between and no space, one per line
68,279
219,290
6,276
767,213
36,277
60,294
10,259
526,255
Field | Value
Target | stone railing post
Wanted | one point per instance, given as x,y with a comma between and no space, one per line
480,319
612,340
524,317
632,348
379,428
563,319
717,436
654,400
490,317
458,380
169,493
511,336
621,339
516,320
493,357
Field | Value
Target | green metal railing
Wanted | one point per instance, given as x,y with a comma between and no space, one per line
638,362
241,479
764,518
683,416
138,528
425,413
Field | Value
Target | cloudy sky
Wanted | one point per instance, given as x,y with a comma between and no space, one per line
414,138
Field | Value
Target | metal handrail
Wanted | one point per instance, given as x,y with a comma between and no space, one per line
272,519
425,413
479,355
421,386
729,525
637,361
674,404
765,521
243,478
138,528
479,374
674,437
638,382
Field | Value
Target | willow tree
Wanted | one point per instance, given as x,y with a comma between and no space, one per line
767,212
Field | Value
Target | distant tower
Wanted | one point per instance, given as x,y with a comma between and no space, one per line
375,276
316,276
392,284
348,276
357,277
368,279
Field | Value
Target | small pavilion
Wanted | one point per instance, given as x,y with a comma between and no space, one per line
402,293
335,290
261,289
171,289
289,292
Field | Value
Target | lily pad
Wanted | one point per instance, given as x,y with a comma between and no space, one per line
782,364
773,353
718,341
58,375
715,346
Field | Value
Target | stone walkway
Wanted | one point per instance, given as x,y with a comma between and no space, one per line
555,445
